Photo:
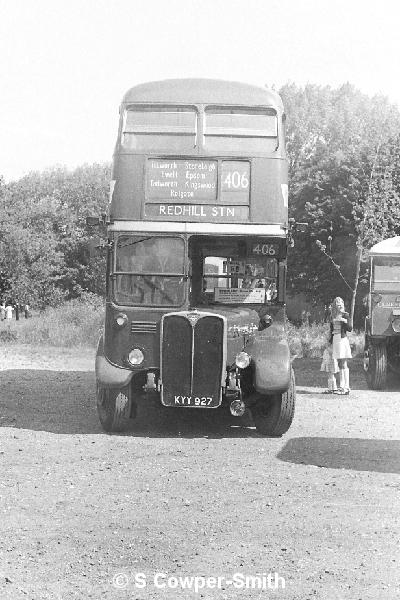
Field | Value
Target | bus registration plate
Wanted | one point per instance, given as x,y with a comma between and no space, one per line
194,401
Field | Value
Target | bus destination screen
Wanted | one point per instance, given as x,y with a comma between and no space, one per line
197,190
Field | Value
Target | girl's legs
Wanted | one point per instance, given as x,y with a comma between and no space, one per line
332,382
344,376
341,373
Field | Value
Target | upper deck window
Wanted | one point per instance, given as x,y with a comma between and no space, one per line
146,127
241,128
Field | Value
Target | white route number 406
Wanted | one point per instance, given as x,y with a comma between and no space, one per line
264,249
235,180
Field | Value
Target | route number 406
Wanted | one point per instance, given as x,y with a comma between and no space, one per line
265,249
235,180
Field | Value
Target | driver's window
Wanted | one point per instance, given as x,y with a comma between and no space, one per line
149,270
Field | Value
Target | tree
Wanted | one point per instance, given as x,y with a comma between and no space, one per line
342,147
45,236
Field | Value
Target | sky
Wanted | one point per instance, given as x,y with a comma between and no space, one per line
65,64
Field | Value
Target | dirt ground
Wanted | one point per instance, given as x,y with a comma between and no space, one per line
194,493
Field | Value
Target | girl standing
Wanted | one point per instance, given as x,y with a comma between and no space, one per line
330,366
339,326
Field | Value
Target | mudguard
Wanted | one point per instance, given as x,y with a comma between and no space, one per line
107,374
271,360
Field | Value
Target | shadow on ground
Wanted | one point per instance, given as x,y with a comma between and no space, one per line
64,402
380,456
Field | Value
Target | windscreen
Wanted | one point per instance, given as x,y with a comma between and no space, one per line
386,274
146,127
149,271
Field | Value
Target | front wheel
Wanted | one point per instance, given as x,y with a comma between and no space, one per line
114,407
375,364
274,414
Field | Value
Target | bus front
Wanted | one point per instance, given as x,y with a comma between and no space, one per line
195,312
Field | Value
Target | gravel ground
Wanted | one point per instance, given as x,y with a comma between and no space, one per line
194,493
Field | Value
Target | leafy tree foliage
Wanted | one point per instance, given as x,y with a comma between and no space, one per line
343,152
44,234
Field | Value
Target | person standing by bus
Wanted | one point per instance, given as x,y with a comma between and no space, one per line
330,366
9,311
339,326
16,308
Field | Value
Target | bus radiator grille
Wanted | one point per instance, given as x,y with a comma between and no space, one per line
192,354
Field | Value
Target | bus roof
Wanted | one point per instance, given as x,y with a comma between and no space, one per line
203,91
390,246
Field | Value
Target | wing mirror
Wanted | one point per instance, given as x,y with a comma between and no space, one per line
92,221
295,227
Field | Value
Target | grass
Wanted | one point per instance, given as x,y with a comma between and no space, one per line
310,340
78,323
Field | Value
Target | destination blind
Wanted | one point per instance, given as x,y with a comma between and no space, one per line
181,179
190,190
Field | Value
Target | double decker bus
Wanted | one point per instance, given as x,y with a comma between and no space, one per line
197,243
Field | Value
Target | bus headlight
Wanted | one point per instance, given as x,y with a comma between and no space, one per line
135,357
121,319
242,360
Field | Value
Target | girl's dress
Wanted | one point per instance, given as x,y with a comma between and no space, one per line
340,345
329,364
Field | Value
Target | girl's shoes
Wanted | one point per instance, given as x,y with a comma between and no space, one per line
342,391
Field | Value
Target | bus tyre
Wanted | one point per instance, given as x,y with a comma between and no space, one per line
375,364
274,414
114,407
